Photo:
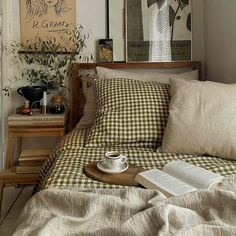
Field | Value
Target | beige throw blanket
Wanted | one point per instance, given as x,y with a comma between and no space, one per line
129,212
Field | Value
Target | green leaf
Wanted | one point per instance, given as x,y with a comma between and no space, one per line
189,22
171,16
49,67
151,2
159,3
185,1
183,4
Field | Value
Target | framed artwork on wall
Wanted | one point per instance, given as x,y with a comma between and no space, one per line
150,30
47,19
105,47
158,30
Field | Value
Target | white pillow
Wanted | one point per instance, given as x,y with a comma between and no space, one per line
202,119
104,73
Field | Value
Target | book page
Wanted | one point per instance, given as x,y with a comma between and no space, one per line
157,179
193,175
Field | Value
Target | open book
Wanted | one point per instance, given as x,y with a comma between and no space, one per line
178,177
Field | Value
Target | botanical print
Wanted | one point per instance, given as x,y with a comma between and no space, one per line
47,19
162,30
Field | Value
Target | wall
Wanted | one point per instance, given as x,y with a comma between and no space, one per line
220,40
7,35
198,31
92,16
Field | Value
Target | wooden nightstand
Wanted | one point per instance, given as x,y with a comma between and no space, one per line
28,126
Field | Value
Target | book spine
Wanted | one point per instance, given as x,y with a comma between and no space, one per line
28,172
31,163
35,118
28,169
33,158
35,123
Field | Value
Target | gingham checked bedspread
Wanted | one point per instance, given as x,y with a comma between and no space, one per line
64,167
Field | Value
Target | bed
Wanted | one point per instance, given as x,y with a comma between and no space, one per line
62,179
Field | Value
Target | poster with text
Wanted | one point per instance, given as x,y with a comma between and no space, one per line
47,19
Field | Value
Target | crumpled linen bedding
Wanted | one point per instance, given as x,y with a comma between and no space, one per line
106,212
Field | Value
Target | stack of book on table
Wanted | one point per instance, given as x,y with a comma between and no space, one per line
37,119
31,161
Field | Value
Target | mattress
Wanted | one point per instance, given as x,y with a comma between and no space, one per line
65,166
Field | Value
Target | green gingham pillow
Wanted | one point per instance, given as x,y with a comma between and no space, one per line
129,112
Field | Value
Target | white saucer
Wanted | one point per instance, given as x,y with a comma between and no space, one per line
101,165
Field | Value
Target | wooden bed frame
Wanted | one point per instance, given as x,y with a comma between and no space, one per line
76,96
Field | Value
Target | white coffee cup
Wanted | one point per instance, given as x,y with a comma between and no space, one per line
114,159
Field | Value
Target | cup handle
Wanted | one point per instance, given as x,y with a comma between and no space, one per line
123,159
19,91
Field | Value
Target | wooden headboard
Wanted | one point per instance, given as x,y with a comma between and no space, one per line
76,96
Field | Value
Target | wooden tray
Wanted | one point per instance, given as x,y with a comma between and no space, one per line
125,178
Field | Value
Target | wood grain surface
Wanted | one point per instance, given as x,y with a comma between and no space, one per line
125,178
